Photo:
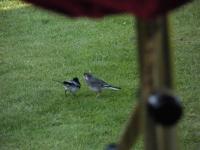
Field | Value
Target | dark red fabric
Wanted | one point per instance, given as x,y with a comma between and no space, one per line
145,9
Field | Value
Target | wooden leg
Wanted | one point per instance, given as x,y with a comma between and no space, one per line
156,76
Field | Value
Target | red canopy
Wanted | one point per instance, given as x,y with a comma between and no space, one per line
145,9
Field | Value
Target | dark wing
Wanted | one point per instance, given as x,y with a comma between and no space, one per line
68,83
77,84
71,83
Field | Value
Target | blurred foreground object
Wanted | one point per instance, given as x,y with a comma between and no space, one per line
146,9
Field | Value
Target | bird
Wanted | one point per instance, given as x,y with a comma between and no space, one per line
97,85
70,85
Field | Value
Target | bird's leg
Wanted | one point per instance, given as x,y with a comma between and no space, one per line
98,94
74,95
65,93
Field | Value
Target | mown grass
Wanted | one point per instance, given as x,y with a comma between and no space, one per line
37,46
186,45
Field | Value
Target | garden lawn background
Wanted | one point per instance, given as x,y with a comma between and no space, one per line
37,46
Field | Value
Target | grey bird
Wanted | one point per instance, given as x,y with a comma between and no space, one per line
71,85
97,85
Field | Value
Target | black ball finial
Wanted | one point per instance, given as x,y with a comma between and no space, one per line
164,108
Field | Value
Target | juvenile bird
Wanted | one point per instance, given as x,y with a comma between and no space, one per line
71,85
98,85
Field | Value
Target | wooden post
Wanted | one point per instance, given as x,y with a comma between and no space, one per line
156,75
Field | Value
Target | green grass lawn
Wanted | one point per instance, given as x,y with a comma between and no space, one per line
37,46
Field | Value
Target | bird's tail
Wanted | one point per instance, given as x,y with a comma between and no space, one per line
112,87
57,81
